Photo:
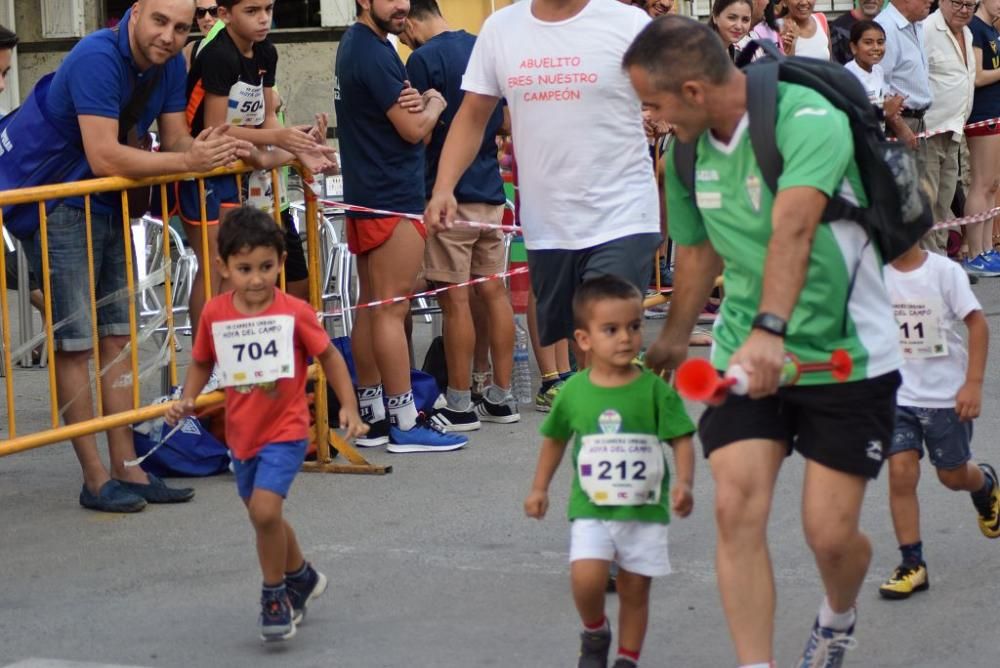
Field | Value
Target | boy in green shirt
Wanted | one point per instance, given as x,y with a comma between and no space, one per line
619,417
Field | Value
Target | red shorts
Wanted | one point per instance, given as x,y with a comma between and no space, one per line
366,234
983,131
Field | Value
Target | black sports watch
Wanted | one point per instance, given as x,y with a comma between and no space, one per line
770,323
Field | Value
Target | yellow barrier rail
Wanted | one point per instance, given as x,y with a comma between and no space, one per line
327,440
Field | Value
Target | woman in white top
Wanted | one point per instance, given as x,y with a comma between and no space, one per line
804,33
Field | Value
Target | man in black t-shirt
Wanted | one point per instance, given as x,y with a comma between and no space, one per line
840,28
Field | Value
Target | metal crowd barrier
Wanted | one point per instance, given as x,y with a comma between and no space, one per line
151,316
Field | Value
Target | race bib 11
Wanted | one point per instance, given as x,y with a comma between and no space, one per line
921,330
621,469
255,351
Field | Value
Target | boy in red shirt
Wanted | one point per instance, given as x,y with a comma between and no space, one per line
260,338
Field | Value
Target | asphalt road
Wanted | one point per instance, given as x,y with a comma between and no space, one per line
435,565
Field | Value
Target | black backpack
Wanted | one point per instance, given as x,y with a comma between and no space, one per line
898,212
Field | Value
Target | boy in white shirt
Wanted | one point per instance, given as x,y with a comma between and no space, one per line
940,396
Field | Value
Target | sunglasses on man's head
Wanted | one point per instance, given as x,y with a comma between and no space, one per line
200,12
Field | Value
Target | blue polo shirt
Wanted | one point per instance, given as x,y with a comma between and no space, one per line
97,79
381,169
440,64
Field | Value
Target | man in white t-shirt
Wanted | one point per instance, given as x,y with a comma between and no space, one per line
588,197
951,68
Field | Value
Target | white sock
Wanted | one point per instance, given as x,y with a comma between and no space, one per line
757,665
370,404
402,411
838,621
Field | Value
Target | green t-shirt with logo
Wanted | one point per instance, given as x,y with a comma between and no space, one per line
647,405
732,209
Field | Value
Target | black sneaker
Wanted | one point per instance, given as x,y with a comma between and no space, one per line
989,514
157,491
505,413
275,621
594,646
112,498
303,590
378,434
447,420
622,662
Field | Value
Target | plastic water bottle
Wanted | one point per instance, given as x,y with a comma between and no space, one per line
522,365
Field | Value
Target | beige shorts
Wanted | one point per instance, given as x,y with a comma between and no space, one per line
456,254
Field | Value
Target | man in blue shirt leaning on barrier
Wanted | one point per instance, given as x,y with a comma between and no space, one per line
85,120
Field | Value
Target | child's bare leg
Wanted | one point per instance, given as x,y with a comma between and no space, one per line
966,478
904,474
272,540
589,577
633,610
294,561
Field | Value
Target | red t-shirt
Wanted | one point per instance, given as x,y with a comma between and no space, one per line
275,412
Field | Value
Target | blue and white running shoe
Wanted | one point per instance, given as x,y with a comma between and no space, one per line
424,437
826,647
979,266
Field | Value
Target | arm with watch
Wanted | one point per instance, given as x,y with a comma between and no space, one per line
794,218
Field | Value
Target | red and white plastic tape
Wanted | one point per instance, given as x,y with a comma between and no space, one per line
427,293
357,208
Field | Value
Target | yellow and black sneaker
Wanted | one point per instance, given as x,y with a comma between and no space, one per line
906,579
989,518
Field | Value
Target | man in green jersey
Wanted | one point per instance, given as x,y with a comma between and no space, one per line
792,286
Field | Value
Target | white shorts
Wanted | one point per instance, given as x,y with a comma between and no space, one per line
637,547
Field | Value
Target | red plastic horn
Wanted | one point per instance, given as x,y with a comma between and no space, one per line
840,365
697,380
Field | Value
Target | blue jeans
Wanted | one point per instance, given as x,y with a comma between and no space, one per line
67,234
946,437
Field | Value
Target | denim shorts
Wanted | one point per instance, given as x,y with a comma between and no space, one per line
946,437
69,280
274,468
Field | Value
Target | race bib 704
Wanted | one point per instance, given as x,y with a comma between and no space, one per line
253,351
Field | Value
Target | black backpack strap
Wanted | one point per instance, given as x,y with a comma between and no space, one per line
133,110
748,52
685,156
762,107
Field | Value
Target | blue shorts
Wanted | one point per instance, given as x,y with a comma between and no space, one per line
67,230
274,468
183,200
946,437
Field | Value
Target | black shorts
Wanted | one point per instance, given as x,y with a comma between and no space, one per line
847,427
555,273
296,268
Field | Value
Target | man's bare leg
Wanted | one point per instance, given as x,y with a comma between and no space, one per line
76,401
831,511
745,473
459,338
494,298
392,271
